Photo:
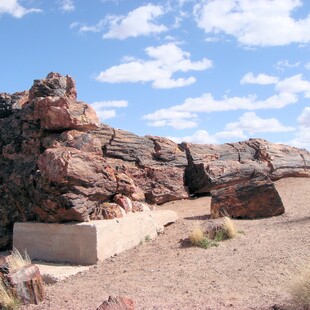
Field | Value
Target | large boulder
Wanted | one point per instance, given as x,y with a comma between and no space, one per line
254,198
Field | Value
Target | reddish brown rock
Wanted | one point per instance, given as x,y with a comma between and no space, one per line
255,198
84,179
107,211
54,85
57,164
117,303
62,113
123,202
138,206
27,284
215,166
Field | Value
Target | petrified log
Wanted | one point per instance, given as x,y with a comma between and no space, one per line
27,284
255,198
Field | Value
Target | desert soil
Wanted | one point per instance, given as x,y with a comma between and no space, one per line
252,271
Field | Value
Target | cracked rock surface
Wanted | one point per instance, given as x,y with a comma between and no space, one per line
58,163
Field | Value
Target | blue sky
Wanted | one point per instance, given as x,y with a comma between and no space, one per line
199,71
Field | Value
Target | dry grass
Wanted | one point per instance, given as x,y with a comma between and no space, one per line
229,227
300,290
16,260
196,236
7,300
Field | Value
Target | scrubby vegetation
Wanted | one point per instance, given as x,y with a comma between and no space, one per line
199,238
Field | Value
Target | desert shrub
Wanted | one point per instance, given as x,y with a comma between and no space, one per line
228,230
300,289
198,238
7,300
16,260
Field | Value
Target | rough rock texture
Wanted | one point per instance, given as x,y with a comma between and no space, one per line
57,163
254,198
215,166
117,303
26,284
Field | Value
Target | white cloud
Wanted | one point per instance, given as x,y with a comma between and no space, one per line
302,137
104,113
110,104
228,135
282,65
12,7
140,21
166,60
251,123
262,79
307,65
254,23
199,137
294,84
287,92
304,117
67,5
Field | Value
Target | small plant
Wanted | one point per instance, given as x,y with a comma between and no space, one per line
198,238
229,227
16,260
147,238
7,300
300,290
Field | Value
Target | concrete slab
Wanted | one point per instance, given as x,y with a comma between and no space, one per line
87,243
52,273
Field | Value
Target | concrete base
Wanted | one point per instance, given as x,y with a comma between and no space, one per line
87,243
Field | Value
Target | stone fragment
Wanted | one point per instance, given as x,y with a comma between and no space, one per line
124,202
117,303
62,113
107,211
138,206
27,284
255,198
54,85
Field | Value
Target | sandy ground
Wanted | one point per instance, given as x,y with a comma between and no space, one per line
252,271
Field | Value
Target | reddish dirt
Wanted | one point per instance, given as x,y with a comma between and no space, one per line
252,271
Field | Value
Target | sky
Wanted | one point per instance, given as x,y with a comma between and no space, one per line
213,71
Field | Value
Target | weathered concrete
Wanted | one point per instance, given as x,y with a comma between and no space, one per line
87,243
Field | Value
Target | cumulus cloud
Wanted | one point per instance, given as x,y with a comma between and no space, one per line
287,91
262,79
165,60
203,137
104,113
67,5
141,21
302,136
304,117
13,8
251,123
295,84
282,65
199,137
254,23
